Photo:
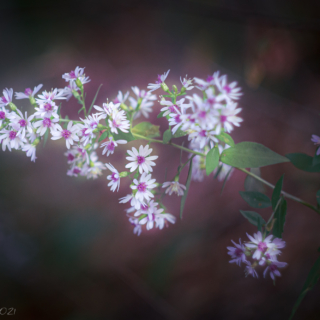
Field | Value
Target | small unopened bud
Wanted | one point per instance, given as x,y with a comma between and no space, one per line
183,90
91,163
176,178
174,87
12,106
101,127
79,83
32,100
76,94
36,141
123,174
164,87
124,107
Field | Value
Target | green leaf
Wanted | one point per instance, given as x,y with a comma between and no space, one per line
124,136
46,135
280,216
224,137
276,193
312,279
252,184
184,197
167,135
303,162
250,155
212,160
318,197
316,159
253,217
94,99
146,129
217,172
256,199
179,133
103,136
160,115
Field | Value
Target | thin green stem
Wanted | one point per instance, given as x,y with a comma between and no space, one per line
68,120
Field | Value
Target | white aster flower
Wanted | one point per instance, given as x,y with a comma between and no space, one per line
187,83
114,177
108,109
315,139
134,202
259,244
157,85
121,98
203,137
6,98
68,90
21,123
11,139
141,159
142,187
174,186
69,134
171,107
46,109
119,121
73,75
28,92
273,267
137,227
110,145
48,96
94,169
228,117
44,124
237,253
230,91
30,150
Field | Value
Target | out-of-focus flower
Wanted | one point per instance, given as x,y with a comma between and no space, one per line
174,186
157,85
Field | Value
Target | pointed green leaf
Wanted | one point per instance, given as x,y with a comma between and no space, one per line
103,136
252,184
212,160
146,129
250,155
276,192
303,162
46,135
312,279
256,199
280,217
217,172
224,137
167,135
253,217
184,197
160,115
94,99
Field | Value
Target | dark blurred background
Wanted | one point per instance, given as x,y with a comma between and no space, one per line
66,249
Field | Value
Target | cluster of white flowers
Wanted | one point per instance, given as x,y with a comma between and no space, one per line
262,251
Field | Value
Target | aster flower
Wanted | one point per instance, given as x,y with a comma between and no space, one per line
187,83
68,90
137,227
89,124
4,114
141,159
228,117
237,253
163,219
46,109
30,150
73,75
175,121
273,267
110,145
69,134
95,168
203,137
108,109
28,92
44,124
157,85
171,107
114,178
174,186
250,270
74,171
259,244
48,96
119,121
142,187
144,102
230,91
143,94
121,98
6,98
11,139
134,202
214,101
21,123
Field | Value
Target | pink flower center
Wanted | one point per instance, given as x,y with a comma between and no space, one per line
76,170
142,187
93,125
223,118
227,89
12,135
144,207
210,78
159,81
151,217
211,100
113,177
140,159
70,157
177,118
2,115
66,134
238,252
46,122
202,114
116,100
203,133
262,246
115,124
84,132
28,92
4,100
273,267
22,122
72,75
110,146
81,151
47,107
173,108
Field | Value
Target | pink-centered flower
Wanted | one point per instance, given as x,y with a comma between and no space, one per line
230,91
6,98
114,177
174,187
69,134
48,96
73,75
141,159
237,253
273,268
28,92
46,123
187,83
259,244
160,80
142,187
119,121
109,146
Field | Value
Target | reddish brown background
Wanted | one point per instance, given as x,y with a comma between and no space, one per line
66,248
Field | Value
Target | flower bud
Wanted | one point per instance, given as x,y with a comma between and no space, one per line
165,87
32,101
12,106
174,87
183,90
101,127
36,141
123,174
124,107
79,84
76,94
